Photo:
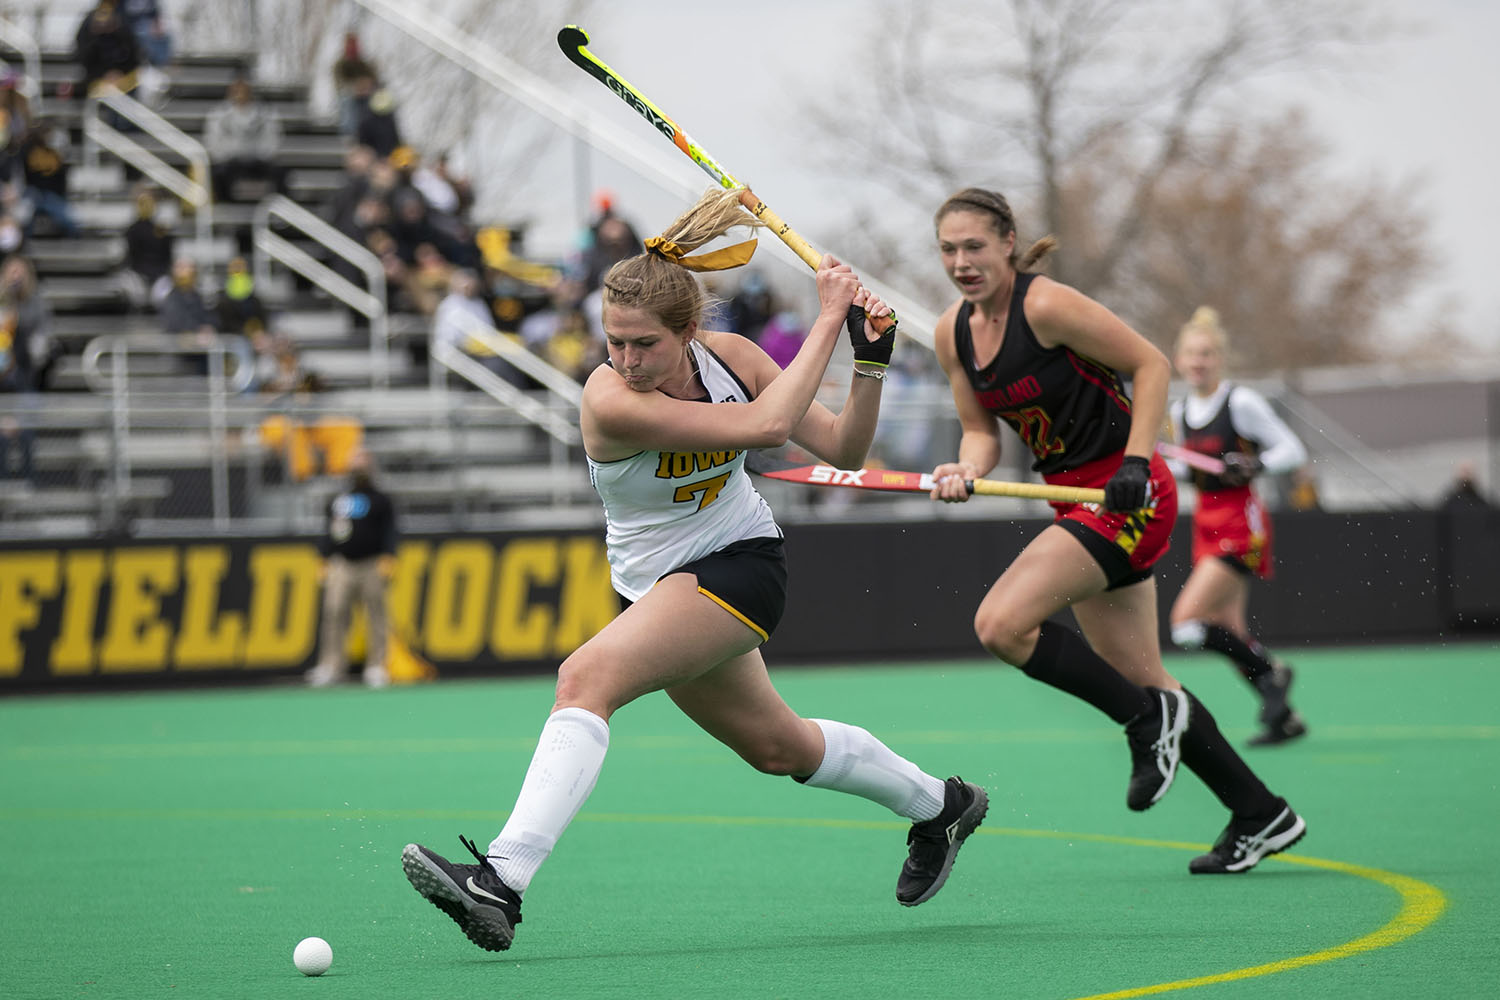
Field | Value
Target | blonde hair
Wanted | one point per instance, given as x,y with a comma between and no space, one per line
1205,319
654,283
994,205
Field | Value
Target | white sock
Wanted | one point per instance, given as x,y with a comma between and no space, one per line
858,763
563,771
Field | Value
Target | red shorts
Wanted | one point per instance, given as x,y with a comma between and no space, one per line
1232,525
1125,543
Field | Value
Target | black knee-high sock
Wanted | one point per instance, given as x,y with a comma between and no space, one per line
1064,661
1209,755
1250,657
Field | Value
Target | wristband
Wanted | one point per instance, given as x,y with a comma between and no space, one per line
876,352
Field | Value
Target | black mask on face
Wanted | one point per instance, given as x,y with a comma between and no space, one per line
360,480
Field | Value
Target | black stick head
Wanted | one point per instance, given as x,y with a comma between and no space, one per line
572,38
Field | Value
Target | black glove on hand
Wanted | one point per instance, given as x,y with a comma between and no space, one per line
1240,468
1126,489
874,352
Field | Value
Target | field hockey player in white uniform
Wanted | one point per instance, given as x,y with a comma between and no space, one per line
697,556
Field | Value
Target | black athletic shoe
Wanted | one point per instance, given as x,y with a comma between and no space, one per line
933,844
1245,841
1155,739
1289,728
1279,721
473,895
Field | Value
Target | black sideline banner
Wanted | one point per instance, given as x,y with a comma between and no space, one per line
88,614
180,610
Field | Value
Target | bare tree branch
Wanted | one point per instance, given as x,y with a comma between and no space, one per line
1090,114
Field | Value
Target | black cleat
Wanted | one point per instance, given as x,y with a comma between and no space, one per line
1155,739
1289,728
486,908
1245,841
1279,721
933,844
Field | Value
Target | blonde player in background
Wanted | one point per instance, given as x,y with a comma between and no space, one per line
697,556
1231,529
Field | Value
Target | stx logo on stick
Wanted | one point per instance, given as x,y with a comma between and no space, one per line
837,477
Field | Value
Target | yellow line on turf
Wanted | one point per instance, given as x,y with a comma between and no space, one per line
1421,902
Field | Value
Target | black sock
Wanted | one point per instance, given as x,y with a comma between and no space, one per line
1250,657
1064,661
1208,755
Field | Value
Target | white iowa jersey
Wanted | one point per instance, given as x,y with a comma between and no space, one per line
666,508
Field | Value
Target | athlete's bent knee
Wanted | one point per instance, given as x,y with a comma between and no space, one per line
578,686
769,757
1003,636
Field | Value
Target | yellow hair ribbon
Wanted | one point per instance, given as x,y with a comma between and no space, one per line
714,260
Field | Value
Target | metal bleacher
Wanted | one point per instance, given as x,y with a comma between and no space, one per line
161,454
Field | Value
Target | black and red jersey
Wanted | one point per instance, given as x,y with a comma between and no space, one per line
1216,438
1069,410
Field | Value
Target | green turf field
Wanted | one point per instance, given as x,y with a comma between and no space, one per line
180,844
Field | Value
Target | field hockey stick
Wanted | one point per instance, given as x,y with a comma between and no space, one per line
573,40
892,481
1192,459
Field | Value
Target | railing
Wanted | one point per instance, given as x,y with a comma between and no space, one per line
17,38
192,188
1341,455
369,303
116,381
564,392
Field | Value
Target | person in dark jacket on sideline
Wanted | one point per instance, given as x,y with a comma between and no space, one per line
359,558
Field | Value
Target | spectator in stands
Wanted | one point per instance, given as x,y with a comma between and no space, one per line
410,224
185,314
240,310
377,123
351,72
15,362
402,294
15,122
341,208
15,378
359,559
431,274
782,336
243,137
145,20
12,234
289,377
459,313
263,359
149,252
752,306
572,349
561,333
611,240
446,193
1302,490
44,166
33,318
106,48
1464,493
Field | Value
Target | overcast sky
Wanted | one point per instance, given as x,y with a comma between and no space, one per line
1425,111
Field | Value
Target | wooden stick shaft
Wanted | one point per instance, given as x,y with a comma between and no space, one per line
777,225
1036,491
